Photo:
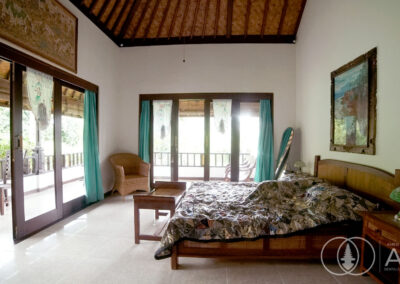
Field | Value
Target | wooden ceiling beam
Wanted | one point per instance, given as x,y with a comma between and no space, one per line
299,17
205,17
266,8
102,9
108,18
246,23
165,13
283,15
217,18
171,27
229,19
119,16
128,20
146,5
184,18
211,39
196,11
153,13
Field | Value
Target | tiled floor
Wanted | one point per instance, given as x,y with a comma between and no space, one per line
97,246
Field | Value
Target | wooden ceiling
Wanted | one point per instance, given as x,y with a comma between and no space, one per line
159,22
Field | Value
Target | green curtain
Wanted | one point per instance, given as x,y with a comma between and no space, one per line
265,155
144,132
93,180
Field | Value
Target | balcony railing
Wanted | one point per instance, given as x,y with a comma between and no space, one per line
217,160
31,164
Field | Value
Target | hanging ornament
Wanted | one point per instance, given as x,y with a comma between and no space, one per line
163,132
221,126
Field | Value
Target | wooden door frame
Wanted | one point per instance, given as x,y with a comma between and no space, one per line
236,98
20,60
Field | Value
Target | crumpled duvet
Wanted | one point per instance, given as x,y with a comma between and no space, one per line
222,211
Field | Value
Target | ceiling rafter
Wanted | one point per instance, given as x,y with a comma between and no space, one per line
91,6
184,18
196,11
107,21
229,19
205,18
246,23
153,13
171,27
128,21
119,16
146,6
102,9
264,20
166,10
283,15
217,18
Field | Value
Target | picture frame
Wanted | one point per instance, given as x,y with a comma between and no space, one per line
45,28
353,105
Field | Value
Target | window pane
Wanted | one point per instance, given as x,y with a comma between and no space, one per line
191,140
38,144
220,139
162,140
72,144
249,131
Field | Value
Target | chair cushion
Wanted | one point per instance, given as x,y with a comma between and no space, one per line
135,179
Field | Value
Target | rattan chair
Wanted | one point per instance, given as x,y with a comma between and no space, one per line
131,173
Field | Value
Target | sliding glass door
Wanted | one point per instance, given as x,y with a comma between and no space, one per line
204,136
47,145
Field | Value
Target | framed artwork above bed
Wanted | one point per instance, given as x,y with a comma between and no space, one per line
353,105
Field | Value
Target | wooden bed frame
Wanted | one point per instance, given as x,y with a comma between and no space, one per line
369,182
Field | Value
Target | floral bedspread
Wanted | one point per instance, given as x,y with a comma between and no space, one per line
235,211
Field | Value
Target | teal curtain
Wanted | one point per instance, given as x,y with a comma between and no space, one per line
93,180
144,132
265,155
284,142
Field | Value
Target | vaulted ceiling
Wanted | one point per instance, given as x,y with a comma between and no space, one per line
158,22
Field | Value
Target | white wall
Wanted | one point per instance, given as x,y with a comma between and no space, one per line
332,33
208,68
97,56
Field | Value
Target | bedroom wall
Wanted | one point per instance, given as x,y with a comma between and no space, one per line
332,33
97,57
208,68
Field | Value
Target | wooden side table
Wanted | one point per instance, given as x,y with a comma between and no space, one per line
165,196
383,232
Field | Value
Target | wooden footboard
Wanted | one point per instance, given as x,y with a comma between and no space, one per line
301,246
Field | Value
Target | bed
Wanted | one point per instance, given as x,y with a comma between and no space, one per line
284,241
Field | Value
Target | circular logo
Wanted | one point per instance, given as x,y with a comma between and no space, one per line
348,255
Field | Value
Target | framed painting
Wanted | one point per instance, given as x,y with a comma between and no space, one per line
44,27
353,105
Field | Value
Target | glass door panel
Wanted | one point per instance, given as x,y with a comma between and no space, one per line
162,140
73,182
38,144
191,140
220,139
249,132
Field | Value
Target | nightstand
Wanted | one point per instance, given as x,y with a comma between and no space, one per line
383,232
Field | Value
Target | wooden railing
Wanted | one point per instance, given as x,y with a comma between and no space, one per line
217,160
31,164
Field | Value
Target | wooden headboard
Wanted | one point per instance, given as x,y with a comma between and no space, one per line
369,182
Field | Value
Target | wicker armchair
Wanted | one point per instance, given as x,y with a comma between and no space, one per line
131,173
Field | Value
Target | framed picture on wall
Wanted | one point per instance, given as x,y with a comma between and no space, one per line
353,105
44,27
